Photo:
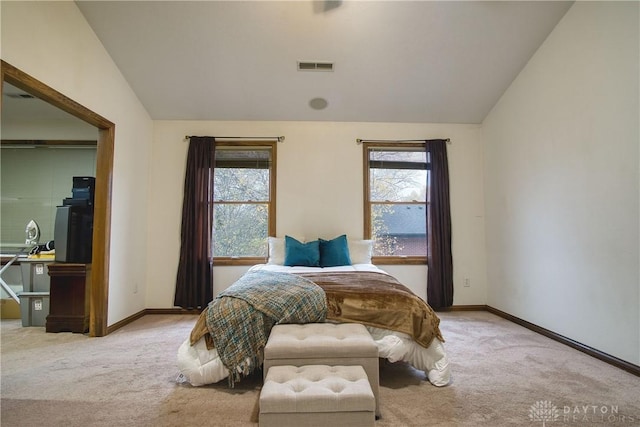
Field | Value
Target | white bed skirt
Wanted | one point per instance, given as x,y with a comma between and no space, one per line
200,366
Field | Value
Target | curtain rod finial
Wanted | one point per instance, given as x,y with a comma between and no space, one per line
358,141
281,138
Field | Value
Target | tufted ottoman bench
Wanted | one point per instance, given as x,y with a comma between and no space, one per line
316,395
331,344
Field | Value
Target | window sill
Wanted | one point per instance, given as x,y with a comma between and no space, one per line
378,260
229,261
399,260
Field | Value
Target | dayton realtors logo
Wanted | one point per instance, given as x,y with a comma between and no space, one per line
601,414
544,411
547,412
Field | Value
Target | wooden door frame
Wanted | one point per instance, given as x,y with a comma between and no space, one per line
99,293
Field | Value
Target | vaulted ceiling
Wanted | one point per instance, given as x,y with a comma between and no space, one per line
393,61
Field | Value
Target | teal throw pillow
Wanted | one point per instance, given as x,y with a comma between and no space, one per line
334,252
298,253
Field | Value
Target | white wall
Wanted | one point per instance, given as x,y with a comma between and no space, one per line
48,129
562,183
52,42
319,194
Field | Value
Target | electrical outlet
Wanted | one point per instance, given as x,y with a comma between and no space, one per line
467,282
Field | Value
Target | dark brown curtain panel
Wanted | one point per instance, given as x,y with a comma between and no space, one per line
194,282
439,259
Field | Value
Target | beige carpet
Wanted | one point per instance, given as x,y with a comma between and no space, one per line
503,375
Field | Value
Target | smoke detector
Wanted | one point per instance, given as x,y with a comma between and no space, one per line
318,103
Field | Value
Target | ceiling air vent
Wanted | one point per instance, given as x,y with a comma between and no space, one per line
315,66
19,96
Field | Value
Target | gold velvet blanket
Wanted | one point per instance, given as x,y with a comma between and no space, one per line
379,300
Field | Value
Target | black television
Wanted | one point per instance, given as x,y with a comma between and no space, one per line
73,234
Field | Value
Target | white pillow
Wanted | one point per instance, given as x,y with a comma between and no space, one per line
360,251
276,250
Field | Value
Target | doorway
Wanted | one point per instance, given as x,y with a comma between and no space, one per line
104,171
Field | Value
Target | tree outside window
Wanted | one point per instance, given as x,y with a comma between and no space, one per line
244,185
395,197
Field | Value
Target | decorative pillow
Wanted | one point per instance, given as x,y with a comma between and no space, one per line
360,251
334,252
276,250
298,253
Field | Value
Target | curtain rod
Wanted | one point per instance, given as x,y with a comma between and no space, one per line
360,141
277,138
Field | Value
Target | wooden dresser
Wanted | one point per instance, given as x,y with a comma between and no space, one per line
70,288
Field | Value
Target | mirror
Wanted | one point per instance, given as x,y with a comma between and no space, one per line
22,82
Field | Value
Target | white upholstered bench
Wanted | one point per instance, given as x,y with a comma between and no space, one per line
333,344
316,395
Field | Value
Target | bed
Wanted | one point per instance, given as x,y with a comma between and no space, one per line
403,326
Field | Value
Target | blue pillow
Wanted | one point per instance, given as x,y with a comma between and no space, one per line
298,253
334,252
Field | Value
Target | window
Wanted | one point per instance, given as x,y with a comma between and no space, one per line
395,195
243,198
